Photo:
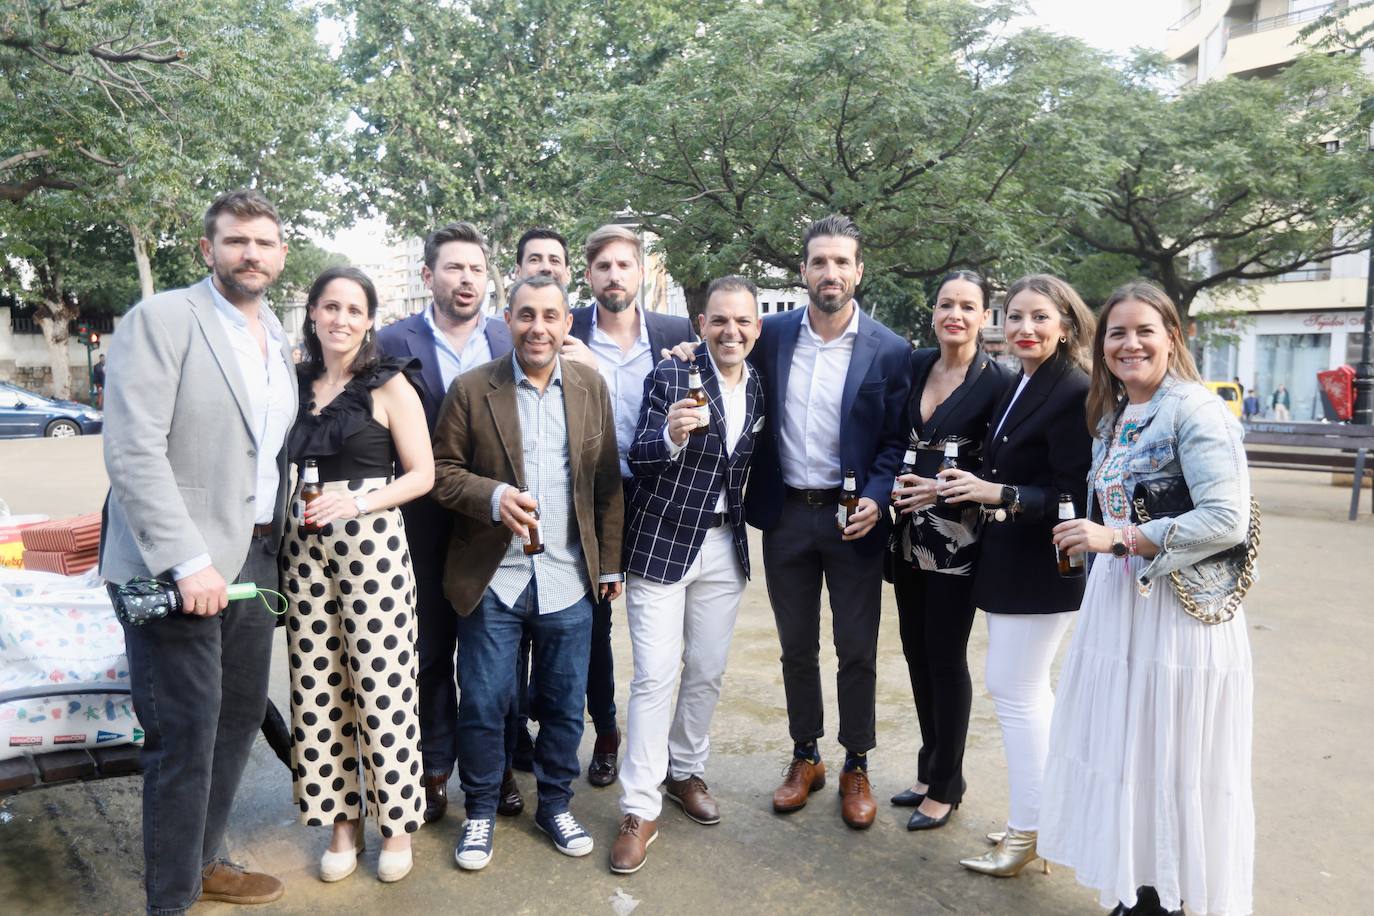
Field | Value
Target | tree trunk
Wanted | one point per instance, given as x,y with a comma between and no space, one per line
143,259
54,317
696,301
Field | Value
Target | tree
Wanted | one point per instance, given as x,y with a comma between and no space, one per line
1235,180
946,140
1345,26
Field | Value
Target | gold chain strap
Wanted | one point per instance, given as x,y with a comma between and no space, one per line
1246,578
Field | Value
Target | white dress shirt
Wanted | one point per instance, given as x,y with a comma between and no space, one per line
809,451
735,408
624,373
1025,380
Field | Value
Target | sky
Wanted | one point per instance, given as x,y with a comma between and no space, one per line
1114,25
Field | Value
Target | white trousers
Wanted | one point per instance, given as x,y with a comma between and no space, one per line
1021,648
686,625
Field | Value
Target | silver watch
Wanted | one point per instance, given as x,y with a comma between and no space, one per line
361,506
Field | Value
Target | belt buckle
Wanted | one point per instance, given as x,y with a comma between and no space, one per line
816,498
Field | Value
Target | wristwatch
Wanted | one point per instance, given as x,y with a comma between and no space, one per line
1011,504
1118,545
361,505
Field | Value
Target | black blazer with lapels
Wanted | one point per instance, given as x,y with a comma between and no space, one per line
1043,448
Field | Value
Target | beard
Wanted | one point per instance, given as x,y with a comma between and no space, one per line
608,300
830,300
235,288
454,311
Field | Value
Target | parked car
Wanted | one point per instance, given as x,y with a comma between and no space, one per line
23,413
1230,393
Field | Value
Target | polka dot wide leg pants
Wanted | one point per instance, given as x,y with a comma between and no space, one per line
351,641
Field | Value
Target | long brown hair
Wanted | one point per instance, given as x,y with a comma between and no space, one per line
1105,390
1076,316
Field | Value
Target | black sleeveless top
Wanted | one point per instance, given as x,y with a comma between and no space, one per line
345,440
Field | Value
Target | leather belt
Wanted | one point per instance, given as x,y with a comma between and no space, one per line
718,519
830,497
262,531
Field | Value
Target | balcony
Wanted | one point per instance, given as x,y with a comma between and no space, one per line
1269,23
1187,18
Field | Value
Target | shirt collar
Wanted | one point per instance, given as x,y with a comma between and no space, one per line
434,327
520,376
643,322
230,312
850,330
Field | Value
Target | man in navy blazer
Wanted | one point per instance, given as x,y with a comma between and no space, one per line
836,385
687,561
449,337
622,340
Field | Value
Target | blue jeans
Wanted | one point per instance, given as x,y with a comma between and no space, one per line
488,644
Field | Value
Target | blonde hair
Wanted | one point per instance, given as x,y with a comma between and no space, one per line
1076,316
1105,390
605,236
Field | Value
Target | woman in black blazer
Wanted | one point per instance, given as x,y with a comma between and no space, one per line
955,388
1037,450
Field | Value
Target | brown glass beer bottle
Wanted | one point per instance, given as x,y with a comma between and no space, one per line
949,463
697,392
310,491
908,466
849,501
534,544
1070,567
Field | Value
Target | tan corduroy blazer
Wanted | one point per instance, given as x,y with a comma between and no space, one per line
477,447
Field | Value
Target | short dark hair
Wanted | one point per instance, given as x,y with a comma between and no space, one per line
312,361
245,202
539,233
968,276
733,283
538,281
836,224
461,231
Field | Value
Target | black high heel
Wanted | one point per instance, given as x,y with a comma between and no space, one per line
921,821
908,798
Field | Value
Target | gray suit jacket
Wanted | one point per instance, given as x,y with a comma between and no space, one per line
179,447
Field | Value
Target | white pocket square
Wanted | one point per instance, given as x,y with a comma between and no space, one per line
758,425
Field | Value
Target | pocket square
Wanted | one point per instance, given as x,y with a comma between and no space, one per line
758,425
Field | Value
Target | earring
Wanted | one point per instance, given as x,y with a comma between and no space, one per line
1063,340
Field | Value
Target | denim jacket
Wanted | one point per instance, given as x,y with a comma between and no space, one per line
1188,431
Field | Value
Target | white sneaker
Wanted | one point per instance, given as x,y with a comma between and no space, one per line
474,847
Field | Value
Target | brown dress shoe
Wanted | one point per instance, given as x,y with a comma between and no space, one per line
631,847
230,883
436,796
696,801
857,806
510,803
801,779
605,766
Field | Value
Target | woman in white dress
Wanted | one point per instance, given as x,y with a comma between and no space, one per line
1147,791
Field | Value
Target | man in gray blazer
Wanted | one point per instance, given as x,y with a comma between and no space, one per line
199,397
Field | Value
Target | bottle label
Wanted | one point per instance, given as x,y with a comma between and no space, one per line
703,416
842,516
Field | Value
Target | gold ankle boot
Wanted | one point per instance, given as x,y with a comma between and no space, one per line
1013,853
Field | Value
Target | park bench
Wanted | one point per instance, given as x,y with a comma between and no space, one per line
1325,447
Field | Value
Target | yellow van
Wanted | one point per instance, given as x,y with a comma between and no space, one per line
1230,393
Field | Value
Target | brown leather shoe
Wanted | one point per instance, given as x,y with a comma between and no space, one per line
436,796
631,847
510,803
857,806
801,779
696,801
229,883
605,766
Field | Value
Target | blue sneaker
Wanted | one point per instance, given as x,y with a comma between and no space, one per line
567,834
474,847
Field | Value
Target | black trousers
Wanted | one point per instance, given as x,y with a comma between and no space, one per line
936,614
199,688
436,636
804,547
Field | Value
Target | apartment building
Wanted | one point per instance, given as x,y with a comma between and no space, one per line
1309,320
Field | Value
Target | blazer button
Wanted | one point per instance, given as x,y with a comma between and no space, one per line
252,453
252,499
1004,438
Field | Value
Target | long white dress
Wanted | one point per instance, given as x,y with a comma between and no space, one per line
1148,777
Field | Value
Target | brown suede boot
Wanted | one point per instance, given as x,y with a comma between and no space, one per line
230,883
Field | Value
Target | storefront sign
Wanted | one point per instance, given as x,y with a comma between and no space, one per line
1325,321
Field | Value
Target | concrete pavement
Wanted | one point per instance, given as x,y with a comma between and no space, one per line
76,849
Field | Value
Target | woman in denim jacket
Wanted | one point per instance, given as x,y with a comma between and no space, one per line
1147,790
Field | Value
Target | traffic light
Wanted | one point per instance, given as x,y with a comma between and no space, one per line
94,341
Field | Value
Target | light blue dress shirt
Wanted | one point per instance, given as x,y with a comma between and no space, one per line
452,363
624,373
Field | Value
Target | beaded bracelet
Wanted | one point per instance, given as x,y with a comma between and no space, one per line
1130,533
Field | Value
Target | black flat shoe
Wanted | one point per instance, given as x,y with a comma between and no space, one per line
908,798
921,821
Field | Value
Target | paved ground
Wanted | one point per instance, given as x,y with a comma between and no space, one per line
76,849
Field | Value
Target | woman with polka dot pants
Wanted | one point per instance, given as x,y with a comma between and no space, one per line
347,574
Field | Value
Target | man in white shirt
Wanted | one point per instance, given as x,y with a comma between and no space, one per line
200,394
687,560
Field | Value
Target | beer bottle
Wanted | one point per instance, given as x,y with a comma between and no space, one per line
310,491
849,501
908,466
534,544
1069,566
949,463
697,392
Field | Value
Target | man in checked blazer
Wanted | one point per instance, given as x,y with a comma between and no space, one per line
687,559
